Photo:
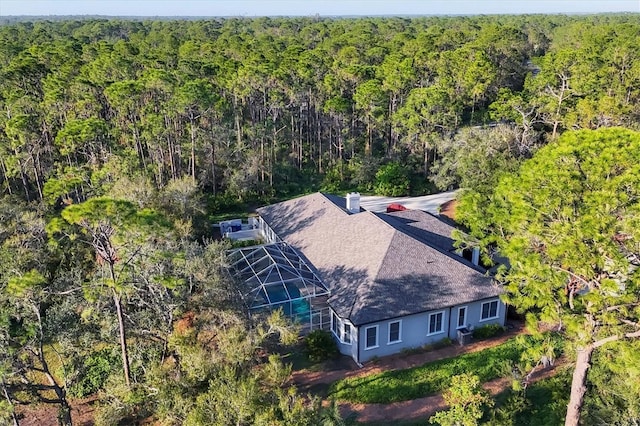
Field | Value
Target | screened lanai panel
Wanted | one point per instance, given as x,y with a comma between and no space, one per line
294,289
287,274
253,282
306,292
307,275
261,264
275,275
276,293
258,297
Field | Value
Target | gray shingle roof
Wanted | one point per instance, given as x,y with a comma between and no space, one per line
378,266
423,226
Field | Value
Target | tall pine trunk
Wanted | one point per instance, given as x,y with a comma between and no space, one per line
4,174
14,418
579,381
578,386
193,148
123,336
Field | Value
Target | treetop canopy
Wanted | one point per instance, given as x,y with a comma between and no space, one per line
569,223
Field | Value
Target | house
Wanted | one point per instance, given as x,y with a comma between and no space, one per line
381,282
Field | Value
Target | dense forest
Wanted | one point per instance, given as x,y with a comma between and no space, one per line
120,140
264,107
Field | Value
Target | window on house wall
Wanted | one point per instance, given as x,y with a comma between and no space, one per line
346,333
335,322
462,317
436,325
395,332
489,310
371,337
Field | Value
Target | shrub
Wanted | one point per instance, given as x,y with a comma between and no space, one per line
94,373
392,180
439,344
245,243
363,172
466,399
336,178
487,331
320,346
121,404
442,343
6,411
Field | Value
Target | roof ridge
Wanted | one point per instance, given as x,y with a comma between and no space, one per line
378,267
376,215
332,203
395,231
402,228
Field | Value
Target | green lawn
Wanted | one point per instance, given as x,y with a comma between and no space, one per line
544,403
427,379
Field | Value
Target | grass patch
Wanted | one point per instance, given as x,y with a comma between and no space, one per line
226,207
544,403
430,378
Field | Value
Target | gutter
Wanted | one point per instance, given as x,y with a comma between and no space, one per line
358,350
497,296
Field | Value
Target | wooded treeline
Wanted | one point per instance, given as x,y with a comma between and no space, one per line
264,107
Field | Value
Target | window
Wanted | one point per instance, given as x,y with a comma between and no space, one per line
395,331
489,310
436,323
346,333
462,317
335,324
371,337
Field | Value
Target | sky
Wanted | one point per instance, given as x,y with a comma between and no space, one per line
251,8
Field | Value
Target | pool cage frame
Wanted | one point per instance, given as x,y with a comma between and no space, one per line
275,276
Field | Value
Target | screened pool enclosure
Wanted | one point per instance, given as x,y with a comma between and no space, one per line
276,277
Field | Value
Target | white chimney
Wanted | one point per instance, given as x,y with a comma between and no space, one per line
353,202
475,256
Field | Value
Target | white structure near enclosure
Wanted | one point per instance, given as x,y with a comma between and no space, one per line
381,282
238,230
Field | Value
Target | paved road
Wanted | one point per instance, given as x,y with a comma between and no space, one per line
428,203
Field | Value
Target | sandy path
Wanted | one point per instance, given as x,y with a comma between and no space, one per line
420,408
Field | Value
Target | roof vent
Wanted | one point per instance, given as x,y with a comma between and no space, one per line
353,202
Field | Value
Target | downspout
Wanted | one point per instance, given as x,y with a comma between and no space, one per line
506,311
358,351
